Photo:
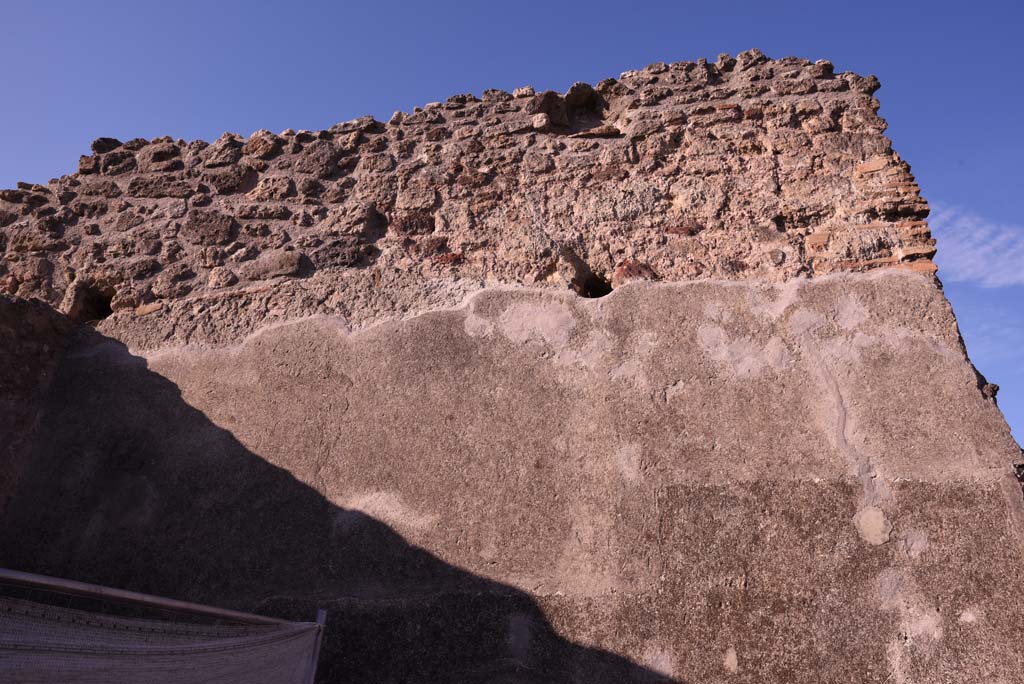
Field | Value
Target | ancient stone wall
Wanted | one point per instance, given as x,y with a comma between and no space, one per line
367,369
744,168
684,482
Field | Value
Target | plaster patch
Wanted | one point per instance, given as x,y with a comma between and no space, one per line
804,321
546,321
968,616
850,313
632,369
593,354
628,458
872,525
774,302
914,543
716,312
744,355
731,661
388,507
920,622
660,660
477,326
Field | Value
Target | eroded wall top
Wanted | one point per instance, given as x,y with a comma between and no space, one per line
744,168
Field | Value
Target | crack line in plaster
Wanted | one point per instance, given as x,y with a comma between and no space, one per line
870,518
919,623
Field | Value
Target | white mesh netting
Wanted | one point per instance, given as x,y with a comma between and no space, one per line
42,643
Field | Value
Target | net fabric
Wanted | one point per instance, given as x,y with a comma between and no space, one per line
44,644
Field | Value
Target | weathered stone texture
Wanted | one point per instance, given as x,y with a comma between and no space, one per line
744,168
800,475
367,369
32,337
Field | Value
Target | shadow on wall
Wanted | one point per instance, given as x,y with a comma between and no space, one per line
131,487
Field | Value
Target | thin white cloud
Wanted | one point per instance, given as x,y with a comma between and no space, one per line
993,342
974,249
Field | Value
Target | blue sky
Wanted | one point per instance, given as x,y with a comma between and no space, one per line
952,91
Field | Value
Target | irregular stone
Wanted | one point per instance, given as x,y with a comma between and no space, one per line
538,162
221,277
263,211
263,144
605,131
7,217
749,59
165,156
552,104
279,262
172,282
158,185
126,220
309,187
225,152
344,251
232,179
272,188
629,271
496,95
208,227
147,309
103,145
319,158
582,96
117,162
88,165
102,187
418,222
